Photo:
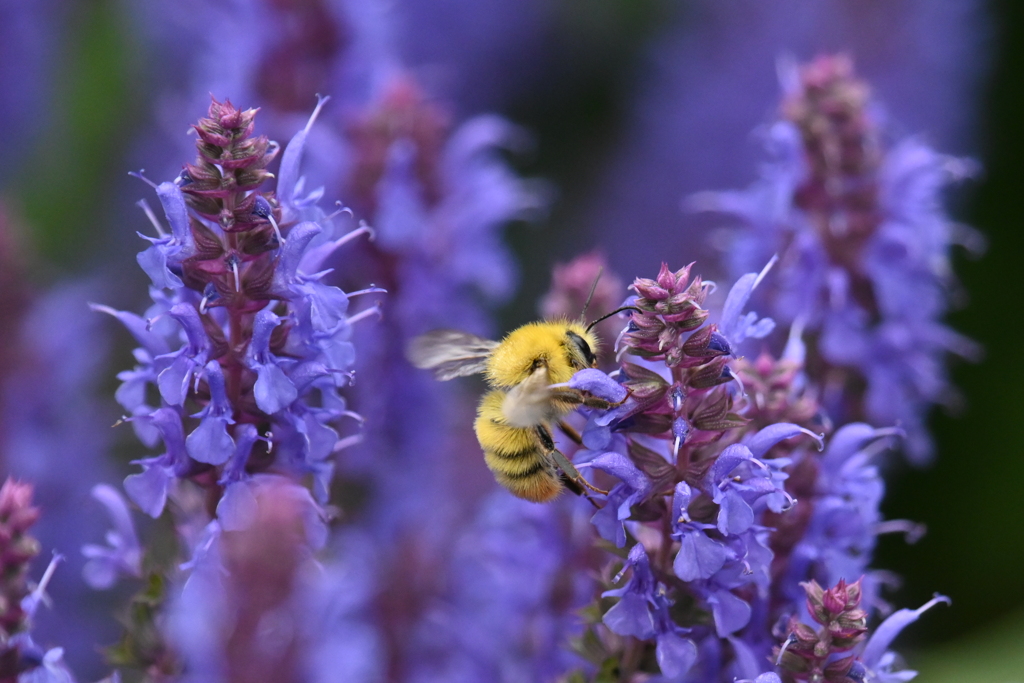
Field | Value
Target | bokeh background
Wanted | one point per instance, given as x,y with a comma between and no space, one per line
631,105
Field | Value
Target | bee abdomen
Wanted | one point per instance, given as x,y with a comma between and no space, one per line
513,454
528,476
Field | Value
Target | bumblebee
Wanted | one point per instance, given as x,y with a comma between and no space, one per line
514,419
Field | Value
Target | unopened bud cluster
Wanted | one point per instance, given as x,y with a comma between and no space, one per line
813,655
17,550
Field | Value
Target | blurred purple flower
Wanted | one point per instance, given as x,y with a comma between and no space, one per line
29,35
864,247
123,555
257,606
58,353
708,78
507,610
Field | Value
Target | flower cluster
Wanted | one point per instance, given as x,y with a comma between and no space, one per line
725,510
810,654
439,197
19,655
246,347
864,246
822,655
243,333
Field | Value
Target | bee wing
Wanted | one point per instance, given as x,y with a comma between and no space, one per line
450,353
528,403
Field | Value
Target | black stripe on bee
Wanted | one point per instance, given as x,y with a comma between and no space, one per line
527,473
582,346
518,455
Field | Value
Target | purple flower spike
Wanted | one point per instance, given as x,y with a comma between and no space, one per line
210,441
859,224
122,555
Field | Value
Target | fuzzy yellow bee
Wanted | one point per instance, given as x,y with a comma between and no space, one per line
514,420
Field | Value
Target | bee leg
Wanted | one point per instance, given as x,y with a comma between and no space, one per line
570,432
577,489
572,485
563,462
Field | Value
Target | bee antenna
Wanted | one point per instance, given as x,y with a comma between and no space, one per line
617,310
593,288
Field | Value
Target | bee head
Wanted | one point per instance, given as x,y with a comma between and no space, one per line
579,351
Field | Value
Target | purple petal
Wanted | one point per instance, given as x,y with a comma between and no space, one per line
219,403
675,654
846,443
237,507
739,294
747,665
149,489
680,501
730,459
631,616
288,174
168,422
100,569
620,466
173,381
149,340
153,262
887,631
117,509
699,557
596,437
599,384
606,521
299,238
123,555
262,327
273,390
327,306
210,441
246,437
735,515
760,443
188,317
730,612
173,202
